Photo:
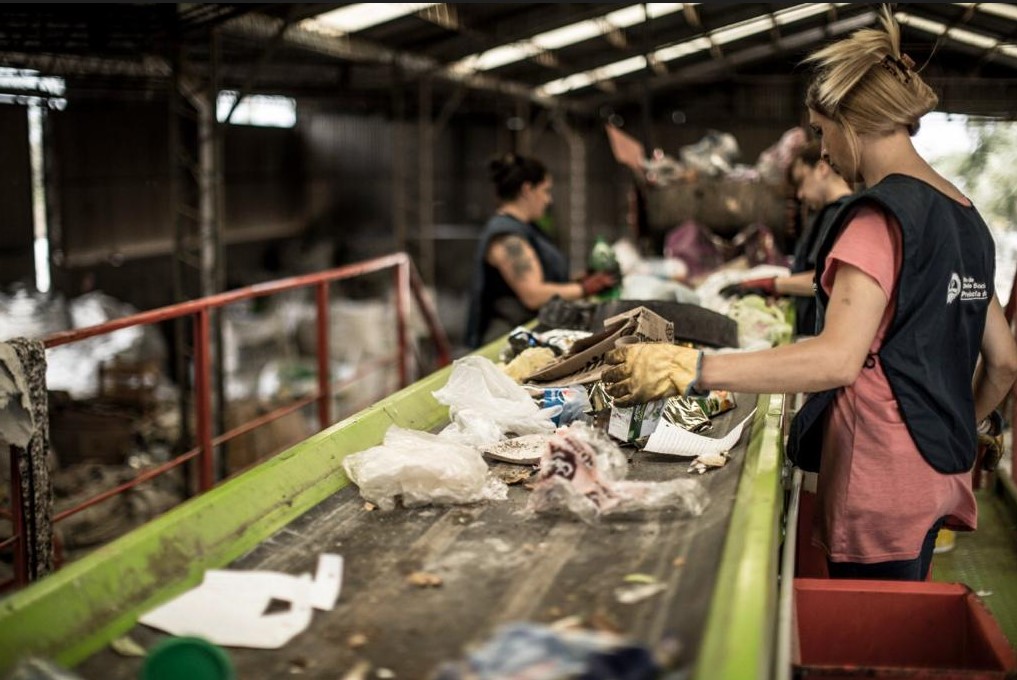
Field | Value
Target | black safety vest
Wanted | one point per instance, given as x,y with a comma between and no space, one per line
804,259
932,345
488,283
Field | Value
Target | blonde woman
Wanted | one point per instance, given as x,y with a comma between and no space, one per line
907,314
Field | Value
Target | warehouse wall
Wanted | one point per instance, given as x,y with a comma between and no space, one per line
112,177
318,195
352,173
111,196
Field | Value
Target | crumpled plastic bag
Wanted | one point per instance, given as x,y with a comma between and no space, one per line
582,472
485,405
421,468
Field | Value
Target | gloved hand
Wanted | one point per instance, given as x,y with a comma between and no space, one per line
990,441
764,287
653,370
596,282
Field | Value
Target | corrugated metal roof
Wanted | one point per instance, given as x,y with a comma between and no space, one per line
578,55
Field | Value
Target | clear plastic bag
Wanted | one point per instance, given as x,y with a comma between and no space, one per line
485,405
421,468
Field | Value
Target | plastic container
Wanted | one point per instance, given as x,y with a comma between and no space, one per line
193,658
602,259
893,629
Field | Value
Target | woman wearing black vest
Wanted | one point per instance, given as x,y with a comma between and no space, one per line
913,349
517,268
822,191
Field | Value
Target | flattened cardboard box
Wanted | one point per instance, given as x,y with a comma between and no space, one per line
584,363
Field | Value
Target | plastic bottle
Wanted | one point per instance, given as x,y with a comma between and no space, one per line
602,259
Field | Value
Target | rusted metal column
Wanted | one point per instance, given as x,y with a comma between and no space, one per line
425,156
578,237
31,486
324,363
402,299
203,399
400,152
441,344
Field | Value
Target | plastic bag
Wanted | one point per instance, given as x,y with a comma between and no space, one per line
421,468
485,405
582,472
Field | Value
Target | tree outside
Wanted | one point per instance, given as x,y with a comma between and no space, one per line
977,155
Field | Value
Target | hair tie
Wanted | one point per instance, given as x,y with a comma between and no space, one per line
899,68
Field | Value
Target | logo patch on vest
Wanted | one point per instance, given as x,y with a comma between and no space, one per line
966,289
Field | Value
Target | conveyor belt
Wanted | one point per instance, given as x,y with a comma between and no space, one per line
497,565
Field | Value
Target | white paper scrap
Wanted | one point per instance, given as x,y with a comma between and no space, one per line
676,441
228,609
328,581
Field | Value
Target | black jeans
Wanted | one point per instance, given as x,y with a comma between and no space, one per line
896,570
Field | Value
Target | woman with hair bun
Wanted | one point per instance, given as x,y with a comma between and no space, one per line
914,351
518,269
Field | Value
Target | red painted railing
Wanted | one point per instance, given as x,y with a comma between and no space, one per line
406,281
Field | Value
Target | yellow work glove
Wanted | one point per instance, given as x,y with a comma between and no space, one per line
653,370
990,441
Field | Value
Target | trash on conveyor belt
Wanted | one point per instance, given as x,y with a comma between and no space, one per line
420,468
582,472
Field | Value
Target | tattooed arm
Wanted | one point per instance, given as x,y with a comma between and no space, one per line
517,262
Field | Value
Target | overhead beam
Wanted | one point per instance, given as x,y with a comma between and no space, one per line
711,69
261,27
71,65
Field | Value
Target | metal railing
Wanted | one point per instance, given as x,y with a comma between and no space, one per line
406,281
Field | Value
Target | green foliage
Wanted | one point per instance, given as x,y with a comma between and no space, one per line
988,174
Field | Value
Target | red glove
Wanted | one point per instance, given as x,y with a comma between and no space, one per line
596,282
764,287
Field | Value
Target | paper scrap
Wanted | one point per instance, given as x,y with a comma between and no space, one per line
638,593
229,607
673,440
328,581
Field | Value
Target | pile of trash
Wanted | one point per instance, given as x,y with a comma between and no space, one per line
544,407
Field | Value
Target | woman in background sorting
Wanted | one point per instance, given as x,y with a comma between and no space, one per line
908,314
823,192
518,269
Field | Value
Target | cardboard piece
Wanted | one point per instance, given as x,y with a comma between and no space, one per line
584,362
627,149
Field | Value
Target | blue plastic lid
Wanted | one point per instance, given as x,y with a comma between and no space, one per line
190,658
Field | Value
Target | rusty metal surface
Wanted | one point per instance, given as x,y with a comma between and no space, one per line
496,565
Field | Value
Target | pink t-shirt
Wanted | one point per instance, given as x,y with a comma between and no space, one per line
878,496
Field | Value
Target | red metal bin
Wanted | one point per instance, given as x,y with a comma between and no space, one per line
890,629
